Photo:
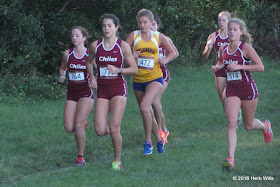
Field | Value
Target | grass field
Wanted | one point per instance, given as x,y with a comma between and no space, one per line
35,150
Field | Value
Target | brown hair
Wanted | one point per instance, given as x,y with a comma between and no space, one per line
84,33
145,12
157,19
115,20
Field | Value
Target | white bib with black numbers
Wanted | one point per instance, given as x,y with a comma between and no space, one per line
76,76
104,73
146,63
234,76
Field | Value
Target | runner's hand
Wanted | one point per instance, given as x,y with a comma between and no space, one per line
136,54
61,79
162,61
93,84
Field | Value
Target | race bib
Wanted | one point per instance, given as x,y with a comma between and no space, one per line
76,76
105,74
146,63
234,76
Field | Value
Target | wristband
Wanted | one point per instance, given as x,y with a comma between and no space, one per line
120,71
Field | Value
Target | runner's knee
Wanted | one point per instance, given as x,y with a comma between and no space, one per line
101,131
69,128
144,109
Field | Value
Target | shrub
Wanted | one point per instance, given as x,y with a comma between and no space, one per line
21,87
32,30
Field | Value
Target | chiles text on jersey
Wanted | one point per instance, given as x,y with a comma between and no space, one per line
77,74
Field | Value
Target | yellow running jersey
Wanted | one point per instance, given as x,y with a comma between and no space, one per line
147,61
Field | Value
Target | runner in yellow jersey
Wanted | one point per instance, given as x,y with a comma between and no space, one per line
147,59
148,82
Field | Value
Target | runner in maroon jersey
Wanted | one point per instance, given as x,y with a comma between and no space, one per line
109,53
241,90
157,106
79,96
216,40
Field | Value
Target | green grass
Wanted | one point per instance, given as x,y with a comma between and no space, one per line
35,149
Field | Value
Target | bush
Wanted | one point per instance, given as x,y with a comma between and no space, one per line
32,30
21,39
22,87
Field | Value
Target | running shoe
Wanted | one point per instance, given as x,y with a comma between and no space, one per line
160,146
80,160
117,165
228,163
86,125
268,134
162,135
239,120
166,133
148,148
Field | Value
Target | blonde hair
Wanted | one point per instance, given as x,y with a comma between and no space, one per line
246,36
225,13
145,12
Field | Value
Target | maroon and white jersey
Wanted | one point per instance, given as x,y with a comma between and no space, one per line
78,76
219,42
162,53
236,57
104,57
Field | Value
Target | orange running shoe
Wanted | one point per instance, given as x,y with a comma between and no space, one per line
162,135
80,160
268,134
166,135
228,163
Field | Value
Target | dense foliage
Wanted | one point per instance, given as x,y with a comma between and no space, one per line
34,33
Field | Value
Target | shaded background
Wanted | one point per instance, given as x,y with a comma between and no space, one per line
34,33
